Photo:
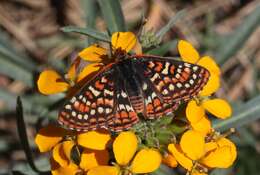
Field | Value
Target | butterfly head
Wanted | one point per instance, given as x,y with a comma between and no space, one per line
120,54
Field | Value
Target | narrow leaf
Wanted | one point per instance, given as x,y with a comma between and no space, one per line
113,15
87,31
163,49
90,9
243,114
23,134
170,24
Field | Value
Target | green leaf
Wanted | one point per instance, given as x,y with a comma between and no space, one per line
15,71
23,134
229,46
113,15
90,9
164,170
243,114
87,31
170,24
163,49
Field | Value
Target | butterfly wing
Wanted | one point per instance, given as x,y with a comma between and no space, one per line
98,105
168,82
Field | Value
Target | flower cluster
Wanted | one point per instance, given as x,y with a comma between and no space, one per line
196,147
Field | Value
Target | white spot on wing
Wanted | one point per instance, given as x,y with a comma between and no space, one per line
155,76
121,106
80,116
108,92
179,85
86,116
171,87
166,69
94,91
92,112
100,110
68,107
73,99
123,94
153,95
144,86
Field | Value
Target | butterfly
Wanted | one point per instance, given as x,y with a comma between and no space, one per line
140,84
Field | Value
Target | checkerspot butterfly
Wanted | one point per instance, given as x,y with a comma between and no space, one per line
150,85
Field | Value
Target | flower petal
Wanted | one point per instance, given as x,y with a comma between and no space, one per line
218,107
194,112
50,82
124,40
90,68
66,147
93,158
169,160
96,140
220,158
210,64
93,53
210,146
212,85
225,142
56,169
71,75
48,137
124,147
203,125
184,161
188,52
146,161
188,140
59,155
104,170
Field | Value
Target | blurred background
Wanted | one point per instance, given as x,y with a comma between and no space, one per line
31,40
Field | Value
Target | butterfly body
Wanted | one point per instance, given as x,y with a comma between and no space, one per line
150,85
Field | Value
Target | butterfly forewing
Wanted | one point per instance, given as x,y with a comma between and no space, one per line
175,80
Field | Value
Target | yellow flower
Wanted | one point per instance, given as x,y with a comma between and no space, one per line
122,43
196,155
50,136
169,160
124,147
61,142
50,82
195,111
